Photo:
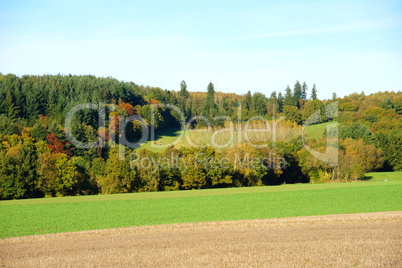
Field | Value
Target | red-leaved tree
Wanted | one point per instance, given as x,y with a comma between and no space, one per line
55,145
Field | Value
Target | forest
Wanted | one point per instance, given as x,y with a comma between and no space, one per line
37,158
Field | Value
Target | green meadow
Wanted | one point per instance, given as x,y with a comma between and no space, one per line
378,192
316,131
164,138
222,136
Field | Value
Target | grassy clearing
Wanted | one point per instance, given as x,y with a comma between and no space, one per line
52,215
316,131
383,176
179,138
164,137
257,133
188,138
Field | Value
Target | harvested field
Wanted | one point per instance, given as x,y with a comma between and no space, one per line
346,240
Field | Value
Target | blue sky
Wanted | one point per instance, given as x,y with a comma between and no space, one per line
262,46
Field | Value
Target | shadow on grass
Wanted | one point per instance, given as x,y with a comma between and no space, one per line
171,132
366,178
159,134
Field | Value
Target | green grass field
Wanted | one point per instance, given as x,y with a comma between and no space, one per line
200,137
66,214
316,131
164,137
179,138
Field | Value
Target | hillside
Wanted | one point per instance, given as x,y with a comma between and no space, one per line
68,135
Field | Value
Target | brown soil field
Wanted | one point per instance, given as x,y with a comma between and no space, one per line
348,240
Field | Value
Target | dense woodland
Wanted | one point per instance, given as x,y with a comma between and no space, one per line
37,159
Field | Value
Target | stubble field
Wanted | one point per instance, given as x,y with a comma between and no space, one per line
238,227
345,240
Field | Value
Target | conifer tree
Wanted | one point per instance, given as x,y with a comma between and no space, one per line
304,92
259,101
280,102
11,109
288,97
183,90
273,103
314,93
210,107
297,93
248,101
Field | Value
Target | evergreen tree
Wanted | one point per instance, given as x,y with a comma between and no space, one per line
183,100
38,132
8,126
297,94
210,107
273,103
304,92
31,106
314,93
183,90
248,101
280,102
259,106
11,108
391,144
18,173
288,97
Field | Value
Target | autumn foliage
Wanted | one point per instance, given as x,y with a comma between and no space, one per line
127,108
55,145
36,158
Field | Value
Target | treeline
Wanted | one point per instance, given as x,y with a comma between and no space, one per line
23,99
37,159
30,168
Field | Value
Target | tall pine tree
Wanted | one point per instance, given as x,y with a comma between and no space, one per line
304,92
273,103
280,102
288,97
210,107
183,100
314,93
297,93
10,107
248,101
183,90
